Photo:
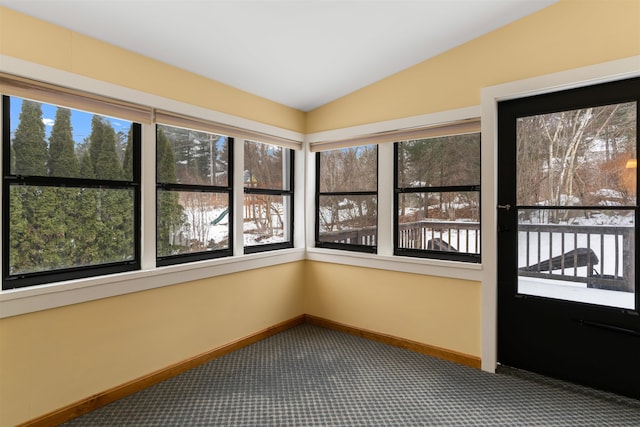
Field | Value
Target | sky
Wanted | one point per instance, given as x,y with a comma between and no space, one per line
80,121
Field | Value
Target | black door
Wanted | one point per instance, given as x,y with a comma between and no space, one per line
567,225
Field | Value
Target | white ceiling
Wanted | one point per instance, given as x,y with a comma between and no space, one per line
300,53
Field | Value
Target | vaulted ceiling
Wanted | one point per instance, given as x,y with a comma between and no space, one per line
300,53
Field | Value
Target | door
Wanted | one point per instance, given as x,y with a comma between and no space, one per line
568,294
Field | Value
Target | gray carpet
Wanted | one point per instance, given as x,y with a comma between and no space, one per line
311,376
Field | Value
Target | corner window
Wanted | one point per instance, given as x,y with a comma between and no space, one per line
268,197
437,198
71,193
347,198
194,195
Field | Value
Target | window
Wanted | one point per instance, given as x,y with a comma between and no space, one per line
437,197
194,195
268,197
71,193
347,198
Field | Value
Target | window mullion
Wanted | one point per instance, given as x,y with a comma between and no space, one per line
385,199
148,188
238,197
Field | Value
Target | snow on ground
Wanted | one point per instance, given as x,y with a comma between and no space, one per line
203,221
603,246
572,291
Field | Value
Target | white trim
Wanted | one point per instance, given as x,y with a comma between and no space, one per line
299,201
236,199
427,267
148,198
593,74
310,197
55,76
385,199
36,298
432,119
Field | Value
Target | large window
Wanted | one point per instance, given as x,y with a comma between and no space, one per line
194,195
71,193
347,198
268,197
437,197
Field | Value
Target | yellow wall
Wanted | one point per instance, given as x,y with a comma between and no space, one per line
53,358
33,40
569,34
437,311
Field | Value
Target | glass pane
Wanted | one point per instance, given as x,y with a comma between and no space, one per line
56,228
439,162
351,219
266,166
186,156
192,222
349,169
266,219
587,257
47,140
578,157
448,222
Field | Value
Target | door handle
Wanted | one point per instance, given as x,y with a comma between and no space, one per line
609,327
505,207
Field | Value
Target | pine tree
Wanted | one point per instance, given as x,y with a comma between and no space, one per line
85,226
127,161
115,242
18,254
86,166
45,247
37,223
165,160
113,223
103,151
29,145
170,213
62,159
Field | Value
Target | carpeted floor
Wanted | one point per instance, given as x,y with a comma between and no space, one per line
311,376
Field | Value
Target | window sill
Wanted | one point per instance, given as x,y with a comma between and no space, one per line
430,267
36,298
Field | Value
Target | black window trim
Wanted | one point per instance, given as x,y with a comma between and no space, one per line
14,281
372,249
426,253
276,192
166,260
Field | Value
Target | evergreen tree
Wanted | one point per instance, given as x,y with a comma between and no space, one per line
127,161
36,213
115,237
18,242
46,246
170,218
113,221
86,166
165,160
29,145
84,227
62,158
103,151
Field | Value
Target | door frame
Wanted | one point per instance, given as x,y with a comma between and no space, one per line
490,96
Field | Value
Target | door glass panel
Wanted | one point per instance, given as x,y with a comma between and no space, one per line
576,195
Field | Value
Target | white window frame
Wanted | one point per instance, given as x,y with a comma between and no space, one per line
35,298
490,96
384,258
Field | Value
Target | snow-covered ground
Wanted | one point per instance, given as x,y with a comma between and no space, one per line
609,248
202,227
573,291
